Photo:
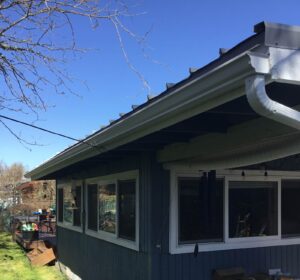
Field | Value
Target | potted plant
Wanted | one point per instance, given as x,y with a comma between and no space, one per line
30,231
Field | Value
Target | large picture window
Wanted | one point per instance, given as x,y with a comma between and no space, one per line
113,208
233,209
69,205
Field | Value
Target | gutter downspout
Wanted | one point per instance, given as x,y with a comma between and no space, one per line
265,106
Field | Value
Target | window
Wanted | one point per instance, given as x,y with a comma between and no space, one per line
107,208
200,210
112,208
233,209
92,206
60,203
69,205
252,209
127,209
290,208
77,208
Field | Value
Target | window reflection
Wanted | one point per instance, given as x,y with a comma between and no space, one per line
107,208
68,205
252,209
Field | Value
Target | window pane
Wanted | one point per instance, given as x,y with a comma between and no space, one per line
68,205
252,209
107,208
200,210
77,209
127,202
92,207
290,208
60,202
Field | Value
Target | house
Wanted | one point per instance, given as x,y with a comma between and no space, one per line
36,195
205,175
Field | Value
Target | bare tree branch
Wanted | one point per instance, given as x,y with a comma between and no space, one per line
32,56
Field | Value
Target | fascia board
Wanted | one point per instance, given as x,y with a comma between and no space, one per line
216,87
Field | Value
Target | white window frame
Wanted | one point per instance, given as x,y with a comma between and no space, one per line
240,178
114,237
63,224
228,243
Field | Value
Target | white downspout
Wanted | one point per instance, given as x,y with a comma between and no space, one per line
265,106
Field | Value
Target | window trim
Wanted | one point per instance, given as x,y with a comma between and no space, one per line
70,184
229,243
114,237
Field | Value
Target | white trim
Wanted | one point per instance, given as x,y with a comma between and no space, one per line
70,227
107,237
114,237
208,247
229,243
63,224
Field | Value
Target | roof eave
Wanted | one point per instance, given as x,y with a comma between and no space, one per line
216,87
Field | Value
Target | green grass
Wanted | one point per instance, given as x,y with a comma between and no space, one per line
15,265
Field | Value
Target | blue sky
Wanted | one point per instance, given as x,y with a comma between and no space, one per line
183,34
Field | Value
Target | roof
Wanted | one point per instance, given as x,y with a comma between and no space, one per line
24,186
215,84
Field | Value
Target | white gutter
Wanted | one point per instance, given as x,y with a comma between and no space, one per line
266,107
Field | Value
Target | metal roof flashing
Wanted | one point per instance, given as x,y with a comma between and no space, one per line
279,35
216,83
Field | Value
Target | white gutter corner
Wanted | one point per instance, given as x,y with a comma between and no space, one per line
265,106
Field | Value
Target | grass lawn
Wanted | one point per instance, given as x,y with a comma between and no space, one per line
14,264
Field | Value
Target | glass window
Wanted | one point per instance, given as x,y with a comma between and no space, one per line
200,209
68,205
77,209
290,208
107,208
252,209
92,206
127,201
113,214
60,199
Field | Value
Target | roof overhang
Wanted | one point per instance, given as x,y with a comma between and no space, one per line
198,94
216,87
